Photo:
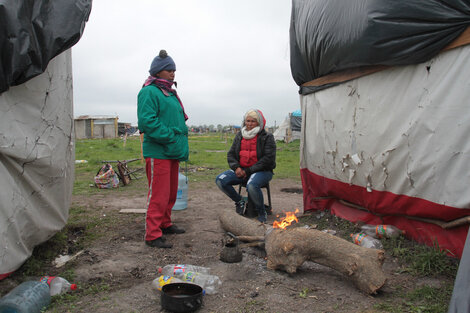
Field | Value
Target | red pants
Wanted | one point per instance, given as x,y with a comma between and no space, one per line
162,177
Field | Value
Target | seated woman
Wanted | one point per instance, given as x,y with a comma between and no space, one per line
252,158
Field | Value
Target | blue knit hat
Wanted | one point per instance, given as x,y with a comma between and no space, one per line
162,62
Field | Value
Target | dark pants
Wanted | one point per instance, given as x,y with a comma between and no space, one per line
227,179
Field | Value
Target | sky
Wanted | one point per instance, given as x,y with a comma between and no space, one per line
231,56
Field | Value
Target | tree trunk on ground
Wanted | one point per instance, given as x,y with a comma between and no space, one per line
239,225
288,249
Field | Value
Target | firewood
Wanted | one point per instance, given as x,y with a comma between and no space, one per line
239,225
288,249
250,238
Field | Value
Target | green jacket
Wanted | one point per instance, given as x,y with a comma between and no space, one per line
161,119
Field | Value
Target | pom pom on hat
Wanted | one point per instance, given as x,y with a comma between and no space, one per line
162,62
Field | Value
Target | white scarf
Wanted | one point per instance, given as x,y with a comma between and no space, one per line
248,134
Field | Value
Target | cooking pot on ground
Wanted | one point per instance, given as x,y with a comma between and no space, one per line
181,297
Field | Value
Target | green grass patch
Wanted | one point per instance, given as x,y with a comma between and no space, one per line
424,299
419,259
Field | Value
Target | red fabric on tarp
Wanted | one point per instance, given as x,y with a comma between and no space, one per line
322,193
3,276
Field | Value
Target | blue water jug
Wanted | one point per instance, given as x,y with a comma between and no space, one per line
182,195
28,297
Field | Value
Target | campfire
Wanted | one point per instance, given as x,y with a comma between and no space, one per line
288,250
286,221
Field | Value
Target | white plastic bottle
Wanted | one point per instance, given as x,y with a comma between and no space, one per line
179,270
381,231
366,241
162,280
210,283
58,285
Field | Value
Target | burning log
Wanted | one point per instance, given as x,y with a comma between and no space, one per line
288,249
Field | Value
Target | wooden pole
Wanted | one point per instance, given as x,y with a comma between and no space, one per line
141,148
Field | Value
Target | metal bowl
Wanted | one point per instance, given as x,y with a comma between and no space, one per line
181,297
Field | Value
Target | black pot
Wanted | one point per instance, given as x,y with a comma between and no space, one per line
181,297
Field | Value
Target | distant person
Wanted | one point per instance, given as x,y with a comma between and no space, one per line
162,120
252,158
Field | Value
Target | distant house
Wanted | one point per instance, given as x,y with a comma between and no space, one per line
96,126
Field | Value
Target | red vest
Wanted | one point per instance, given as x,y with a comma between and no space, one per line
248,155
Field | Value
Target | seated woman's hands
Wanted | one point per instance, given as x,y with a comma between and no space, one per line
240,172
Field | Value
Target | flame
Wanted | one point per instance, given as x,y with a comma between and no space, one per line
286,221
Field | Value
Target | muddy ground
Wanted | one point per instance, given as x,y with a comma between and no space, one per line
124,266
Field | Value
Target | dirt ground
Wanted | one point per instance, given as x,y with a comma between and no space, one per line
122,260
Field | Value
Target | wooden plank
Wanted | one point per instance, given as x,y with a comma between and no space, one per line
462,40
139,211
346,75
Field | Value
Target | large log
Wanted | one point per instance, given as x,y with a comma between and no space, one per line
239,225
289,249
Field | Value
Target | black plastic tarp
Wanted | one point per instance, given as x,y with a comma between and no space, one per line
327,36
296,123
32,32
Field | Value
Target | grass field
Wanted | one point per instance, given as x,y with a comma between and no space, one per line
207,158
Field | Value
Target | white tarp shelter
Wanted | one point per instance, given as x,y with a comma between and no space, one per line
36,122
290,128
384,95
36,161
395,141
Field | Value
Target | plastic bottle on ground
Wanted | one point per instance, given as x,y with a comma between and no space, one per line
210,283
28,297
162,280
381,231
58,285
366,241
178,270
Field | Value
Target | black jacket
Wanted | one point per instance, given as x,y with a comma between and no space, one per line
265,152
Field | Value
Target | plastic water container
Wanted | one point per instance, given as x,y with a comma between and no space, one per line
28,297
182,195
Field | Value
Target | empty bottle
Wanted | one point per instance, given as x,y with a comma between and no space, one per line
210,283
366,241
179,269
58,285
381,231
162,280
28,297
181,202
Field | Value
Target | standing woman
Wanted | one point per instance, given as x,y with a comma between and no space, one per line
252,158
162,120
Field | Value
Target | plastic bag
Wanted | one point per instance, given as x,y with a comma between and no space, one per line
106,178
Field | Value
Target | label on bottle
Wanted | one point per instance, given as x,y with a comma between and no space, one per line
381,230
47,279
358,238
190,276
179,268
179,194
163,280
